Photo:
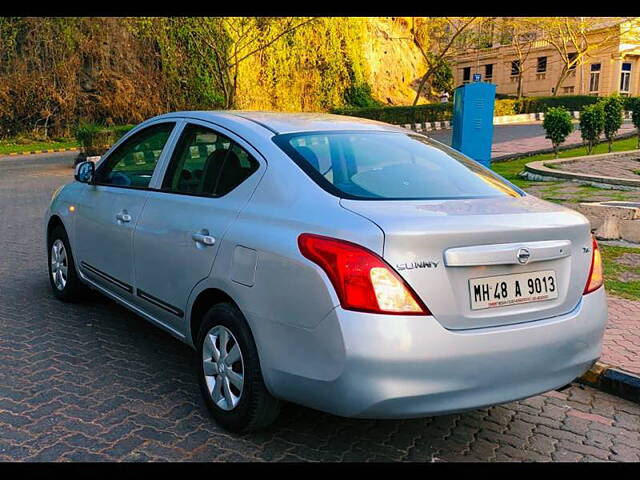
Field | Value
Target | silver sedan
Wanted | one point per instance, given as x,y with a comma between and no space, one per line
343,264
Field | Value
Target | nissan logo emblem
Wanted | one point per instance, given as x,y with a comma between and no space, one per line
523,256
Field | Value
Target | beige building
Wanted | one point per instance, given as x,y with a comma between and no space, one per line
608,69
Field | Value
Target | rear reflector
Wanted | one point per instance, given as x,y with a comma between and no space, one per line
596,273
363,281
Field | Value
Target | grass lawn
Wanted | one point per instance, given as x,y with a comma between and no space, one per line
628,287
614,285
512,168
26,145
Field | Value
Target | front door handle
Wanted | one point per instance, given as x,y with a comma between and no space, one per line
202,237
123,217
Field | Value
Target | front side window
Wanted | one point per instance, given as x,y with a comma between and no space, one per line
132,163
625,77
205,162
594,79
391,166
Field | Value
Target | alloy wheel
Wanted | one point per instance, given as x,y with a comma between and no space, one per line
59,264
223,367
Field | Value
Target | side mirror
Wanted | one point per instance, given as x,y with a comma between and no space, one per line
85,172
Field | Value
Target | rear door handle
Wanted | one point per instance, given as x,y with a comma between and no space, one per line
123,217
202,237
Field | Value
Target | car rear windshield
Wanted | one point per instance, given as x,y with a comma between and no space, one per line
390,166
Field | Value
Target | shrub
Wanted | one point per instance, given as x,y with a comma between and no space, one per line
635,118
542,104
612,107
591,125
120,130
95,138
557,125
360,95
504,107
433,112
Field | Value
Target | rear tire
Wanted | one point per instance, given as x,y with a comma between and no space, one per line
65,284
229,372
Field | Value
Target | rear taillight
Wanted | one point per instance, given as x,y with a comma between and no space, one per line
596,273
362,280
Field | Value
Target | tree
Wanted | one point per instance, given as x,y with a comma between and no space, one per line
442,78
520,32
557,125
576,38
235,39
612,108
591,125
635,117
436,39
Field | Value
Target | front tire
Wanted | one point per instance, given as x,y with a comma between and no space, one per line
229,372
65,284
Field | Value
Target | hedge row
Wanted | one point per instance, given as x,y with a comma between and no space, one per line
573,103
442,111
433,112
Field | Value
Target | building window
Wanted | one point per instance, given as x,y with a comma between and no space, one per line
515,67
567,89
594,77
542,65
625,77
488,72
571,57
466,74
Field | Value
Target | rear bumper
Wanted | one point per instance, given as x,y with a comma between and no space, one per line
403,367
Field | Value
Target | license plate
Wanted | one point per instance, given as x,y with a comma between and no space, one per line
505,290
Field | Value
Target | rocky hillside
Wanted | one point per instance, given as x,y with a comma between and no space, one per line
55,72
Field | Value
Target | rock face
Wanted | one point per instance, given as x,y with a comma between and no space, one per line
395,63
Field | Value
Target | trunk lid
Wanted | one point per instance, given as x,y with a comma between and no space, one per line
438,246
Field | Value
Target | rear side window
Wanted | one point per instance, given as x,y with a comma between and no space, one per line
205,162
391,166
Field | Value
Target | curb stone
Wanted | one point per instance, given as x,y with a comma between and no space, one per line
544,168
52,150
613,380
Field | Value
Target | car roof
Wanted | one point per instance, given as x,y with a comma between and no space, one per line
289,122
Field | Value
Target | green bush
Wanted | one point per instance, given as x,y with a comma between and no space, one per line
557,125
360,96
433,112
612,107
635,118
95,138
591,125
543,104
120,130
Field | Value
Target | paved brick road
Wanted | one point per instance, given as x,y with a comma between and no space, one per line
522,138
622,338
94,382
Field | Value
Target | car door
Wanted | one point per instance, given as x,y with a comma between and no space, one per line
111,205
208,179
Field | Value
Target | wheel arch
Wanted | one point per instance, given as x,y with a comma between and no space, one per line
205,299
54,221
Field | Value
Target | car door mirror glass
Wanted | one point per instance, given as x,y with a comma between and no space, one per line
85,172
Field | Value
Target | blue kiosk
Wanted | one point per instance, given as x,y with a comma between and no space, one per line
473,120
